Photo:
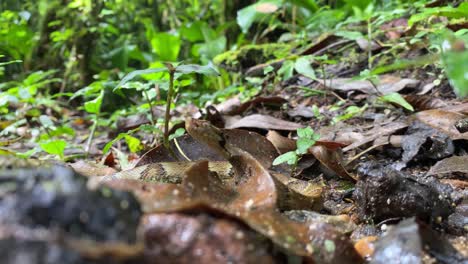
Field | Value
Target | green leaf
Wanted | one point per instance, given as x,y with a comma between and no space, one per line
310,5
134,144
306,132
303,145
94,106
10,62
110,143
195,68
303,67
396,98
179,132
286,71
447,11
455,64
166,45
352,35
133,74
250,14
55,147
289,157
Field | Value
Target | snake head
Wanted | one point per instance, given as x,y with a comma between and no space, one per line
204,132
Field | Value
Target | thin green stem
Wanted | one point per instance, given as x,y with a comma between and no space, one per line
153,118
168,107
91,135
369,49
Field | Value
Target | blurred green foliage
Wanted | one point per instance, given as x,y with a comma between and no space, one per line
56,53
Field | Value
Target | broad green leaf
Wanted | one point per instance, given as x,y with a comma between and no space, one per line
252,13
212,48
455,64
94,106
306,132
286,71
193,31
288,157
396,98
352,35
133,74
303,144
54,147
361,4
134,144
166,45
303,67
110,143
310,5
179,132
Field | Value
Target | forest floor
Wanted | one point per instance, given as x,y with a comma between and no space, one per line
377,170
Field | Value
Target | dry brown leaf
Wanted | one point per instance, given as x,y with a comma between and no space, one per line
444,121
332,160
262,122
387,84
450,165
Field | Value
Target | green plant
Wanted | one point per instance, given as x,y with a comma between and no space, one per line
306,139
174,71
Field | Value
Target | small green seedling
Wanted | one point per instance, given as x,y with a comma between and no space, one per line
306,139
174,71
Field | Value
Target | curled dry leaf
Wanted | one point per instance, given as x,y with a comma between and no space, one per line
251,198
332,160
262,122
282,144
387,84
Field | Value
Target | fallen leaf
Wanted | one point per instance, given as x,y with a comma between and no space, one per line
262,122
450,165
443,121
386,85
332,160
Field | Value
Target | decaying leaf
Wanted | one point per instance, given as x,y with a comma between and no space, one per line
262,122
387,84
450,165
332,160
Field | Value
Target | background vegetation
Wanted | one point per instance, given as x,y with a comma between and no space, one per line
55,54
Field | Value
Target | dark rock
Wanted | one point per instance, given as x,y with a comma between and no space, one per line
46,212
406,243
424,142
458,221
383,193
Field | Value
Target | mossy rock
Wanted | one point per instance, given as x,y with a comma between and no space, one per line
251,55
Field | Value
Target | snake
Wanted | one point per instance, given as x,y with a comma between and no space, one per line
218,140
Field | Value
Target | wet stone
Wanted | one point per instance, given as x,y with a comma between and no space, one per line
54,199
383,193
